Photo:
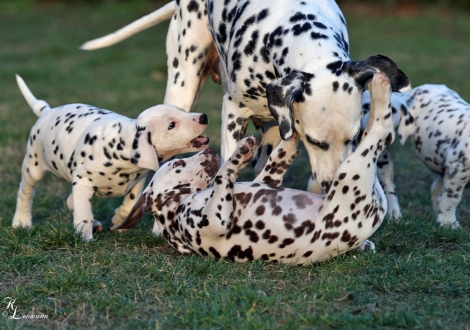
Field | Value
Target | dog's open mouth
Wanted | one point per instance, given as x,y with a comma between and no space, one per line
198,142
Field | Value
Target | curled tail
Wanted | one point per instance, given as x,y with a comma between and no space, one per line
162,14
38,106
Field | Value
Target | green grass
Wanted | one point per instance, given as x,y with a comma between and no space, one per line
419,277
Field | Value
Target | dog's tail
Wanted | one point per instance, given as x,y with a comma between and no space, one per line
162,14
38,106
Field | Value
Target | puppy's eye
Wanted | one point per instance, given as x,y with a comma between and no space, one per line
171,125
176,164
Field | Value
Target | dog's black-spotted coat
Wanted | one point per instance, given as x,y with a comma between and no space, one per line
260,220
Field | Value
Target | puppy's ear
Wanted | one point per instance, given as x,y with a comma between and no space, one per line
143,152
281,93
406,126
363,71
141,207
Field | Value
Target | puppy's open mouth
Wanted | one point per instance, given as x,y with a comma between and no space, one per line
198,142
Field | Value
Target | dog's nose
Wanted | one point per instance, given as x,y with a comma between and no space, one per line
325,185
203,119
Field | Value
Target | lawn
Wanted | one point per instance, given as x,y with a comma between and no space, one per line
418,278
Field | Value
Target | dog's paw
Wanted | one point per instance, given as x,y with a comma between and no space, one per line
97,227
367,246
245,151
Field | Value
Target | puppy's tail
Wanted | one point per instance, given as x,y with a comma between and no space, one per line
38,106
162,14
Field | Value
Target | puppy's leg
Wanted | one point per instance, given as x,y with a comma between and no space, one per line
82,213
222,197
279,162
355,205
233,126
385,175
97,226
129,201
436,190
453,184
31,173
190,51
269,137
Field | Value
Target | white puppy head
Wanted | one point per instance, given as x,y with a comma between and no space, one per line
164,131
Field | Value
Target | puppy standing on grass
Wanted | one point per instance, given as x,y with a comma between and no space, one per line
437,121
102,153
259,220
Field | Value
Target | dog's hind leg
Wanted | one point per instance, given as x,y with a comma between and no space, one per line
385,175
356,204
279,162
31,173
129,201
224,183
190,53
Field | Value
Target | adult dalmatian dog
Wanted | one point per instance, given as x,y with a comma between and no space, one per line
101,153
260,220
436,120
279,60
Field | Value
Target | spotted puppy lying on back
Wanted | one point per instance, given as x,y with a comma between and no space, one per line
259,220
101,153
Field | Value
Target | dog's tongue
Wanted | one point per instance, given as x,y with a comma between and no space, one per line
198,142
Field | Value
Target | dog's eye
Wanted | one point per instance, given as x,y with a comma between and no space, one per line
171,125
176,164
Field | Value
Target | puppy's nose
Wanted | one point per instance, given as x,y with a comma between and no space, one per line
203,119
325,185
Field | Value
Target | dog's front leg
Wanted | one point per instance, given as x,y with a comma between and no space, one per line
233,126
385,175
82,213
450,194
221,203
128,203
279,162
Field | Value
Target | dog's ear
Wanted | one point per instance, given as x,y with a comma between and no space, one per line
143,152
141,207
406,126
281,93
363,71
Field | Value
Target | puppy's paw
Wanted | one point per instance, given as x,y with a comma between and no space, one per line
245,151
97,227
367,246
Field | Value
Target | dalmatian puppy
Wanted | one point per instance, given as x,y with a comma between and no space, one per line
435,118
101,153
282,61
260,220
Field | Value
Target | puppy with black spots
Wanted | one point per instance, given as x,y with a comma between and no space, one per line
101,153
260,220
436,120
